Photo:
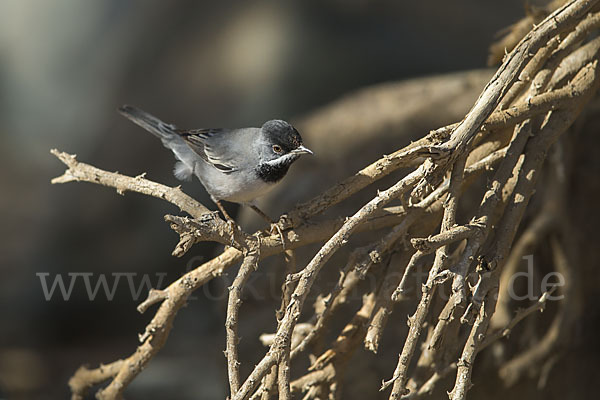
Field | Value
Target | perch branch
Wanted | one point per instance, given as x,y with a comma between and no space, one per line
81,172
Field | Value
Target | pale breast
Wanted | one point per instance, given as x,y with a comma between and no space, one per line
236,187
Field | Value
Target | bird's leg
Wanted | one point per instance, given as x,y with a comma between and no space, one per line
222,209
274,225
230,222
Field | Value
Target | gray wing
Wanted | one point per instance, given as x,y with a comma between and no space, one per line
228,150
213,145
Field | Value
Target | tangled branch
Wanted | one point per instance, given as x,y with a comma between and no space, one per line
537,93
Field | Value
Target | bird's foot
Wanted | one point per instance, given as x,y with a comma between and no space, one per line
232,227
276,229
275,226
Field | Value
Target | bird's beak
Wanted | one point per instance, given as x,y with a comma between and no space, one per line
302,150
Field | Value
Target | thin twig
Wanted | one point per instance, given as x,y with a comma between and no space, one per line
556,76
560,20
233,309
539,305
416,321
311,271
534,156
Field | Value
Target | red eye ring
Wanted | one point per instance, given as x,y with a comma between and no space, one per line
277,149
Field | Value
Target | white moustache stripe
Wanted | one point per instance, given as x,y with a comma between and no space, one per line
284,159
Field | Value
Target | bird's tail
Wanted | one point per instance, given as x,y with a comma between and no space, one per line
149,122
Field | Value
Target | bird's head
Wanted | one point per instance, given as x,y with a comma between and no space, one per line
282,143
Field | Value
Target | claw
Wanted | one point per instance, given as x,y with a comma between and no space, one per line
232,228
274,225
276,228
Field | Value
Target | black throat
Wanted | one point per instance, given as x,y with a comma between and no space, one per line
273,173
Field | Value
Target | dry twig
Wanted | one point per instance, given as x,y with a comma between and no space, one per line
536,94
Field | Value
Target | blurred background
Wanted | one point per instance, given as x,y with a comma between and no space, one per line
65,67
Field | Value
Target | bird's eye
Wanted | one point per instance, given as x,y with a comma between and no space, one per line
277,149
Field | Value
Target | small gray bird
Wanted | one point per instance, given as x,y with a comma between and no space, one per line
236,165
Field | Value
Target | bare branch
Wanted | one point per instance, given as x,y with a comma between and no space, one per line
559,21
81,172
233,309
539,305
84,378
534,97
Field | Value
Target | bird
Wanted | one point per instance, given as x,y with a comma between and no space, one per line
234,165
